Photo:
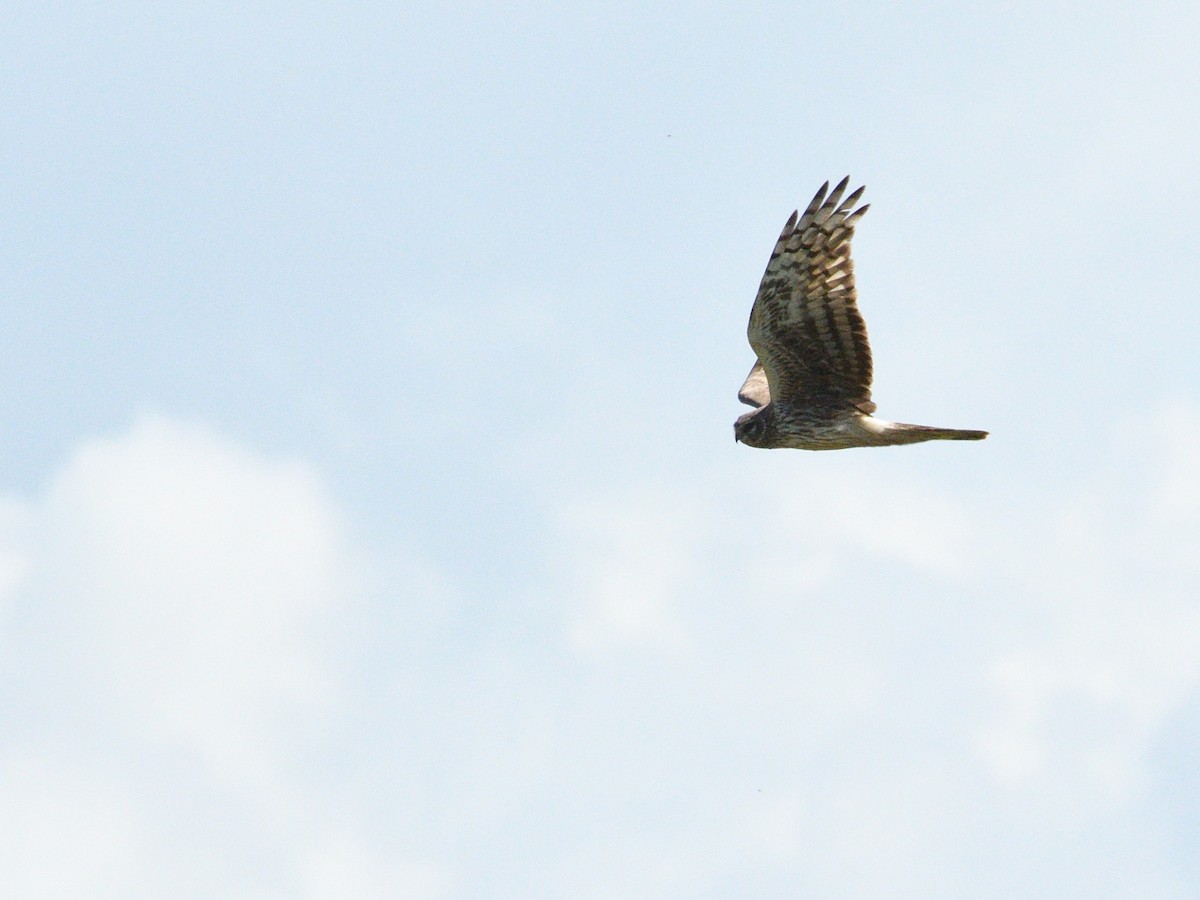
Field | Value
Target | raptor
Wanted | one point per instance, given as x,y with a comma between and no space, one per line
811,383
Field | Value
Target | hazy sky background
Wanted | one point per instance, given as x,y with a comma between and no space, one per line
370,523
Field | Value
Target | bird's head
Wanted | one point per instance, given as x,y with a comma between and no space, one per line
753,428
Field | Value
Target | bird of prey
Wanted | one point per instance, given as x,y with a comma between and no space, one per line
811,383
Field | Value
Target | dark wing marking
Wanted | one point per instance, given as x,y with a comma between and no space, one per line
755,391
805,325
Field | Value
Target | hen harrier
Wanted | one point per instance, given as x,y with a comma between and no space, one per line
811,383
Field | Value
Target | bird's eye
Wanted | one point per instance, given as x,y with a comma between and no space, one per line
751,429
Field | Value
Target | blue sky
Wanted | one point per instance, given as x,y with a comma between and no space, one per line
369,520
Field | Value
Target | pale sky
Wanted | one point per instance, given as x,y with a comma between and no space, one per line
370,520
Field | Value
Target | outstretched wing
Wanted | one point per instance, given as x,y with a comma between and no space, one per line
755,391
805,325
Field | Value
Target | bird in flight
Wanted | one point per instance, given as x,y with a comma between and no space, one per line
811,383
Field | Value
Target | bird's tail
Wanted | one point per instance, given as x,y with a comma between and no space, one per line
902,433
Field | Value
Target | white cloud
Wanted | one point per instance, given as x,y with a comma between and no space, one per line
896,660
340,867
1119,647
173,606
196,578
749,683
909,524
634,559
13,533
65,831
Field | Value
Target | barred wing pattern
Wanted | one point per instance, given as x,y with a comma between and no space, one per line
805,326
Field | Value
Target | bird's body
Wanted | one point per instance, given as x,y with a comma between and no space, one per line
811,383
